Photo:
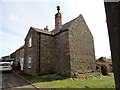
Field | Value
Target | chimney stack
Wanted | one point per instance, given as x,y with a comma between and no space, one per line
58,19
46,29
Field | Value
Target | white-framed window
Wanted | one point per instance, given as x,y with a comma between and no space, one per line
29,62
30,42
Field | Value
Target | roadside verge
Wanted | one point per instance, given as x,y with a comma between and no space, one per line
26,80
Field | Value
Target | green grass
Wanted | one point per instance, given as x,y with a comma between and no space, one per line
87,82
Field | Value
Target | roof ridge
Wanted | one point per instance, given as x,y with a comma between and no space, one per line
41,30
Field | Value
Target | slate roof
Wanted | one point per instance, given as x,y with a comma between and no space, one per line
20,48
41,31
64,27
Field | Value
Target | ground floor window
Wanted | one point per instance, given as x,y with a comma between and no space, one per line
22,63
29,62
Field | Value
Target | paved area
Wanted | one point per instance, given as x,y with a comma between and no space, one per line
11,81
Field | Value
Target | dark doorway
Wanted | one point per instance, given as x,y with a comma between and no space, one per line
104,70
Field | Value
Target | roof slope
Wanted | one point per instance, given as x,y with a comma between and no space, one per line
41,31
66,25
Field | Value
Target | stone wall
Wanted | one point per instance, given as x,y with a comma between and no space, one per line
32,52
19,54
22,53
82,55
12,56
47,55
62,55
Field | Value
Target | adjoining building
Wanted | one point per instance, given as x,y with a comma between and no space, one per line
68,50
12,56
6,58
19,56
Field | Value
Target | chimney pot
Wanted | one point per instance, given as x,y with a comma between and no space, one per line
58,8
58,20
46,28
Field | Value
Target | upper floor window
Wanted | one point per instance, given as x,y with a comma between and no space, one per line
30,42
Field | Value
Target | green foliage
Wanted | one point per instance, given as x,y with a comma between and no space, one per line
87,82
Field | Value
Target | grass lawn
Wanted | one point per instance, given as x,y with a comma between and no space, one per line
87,82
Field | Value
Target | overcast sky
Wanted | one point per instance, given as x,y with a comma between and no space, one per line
16,17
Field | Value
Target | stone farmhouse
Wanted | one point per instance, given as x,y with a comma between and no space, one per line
68,50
